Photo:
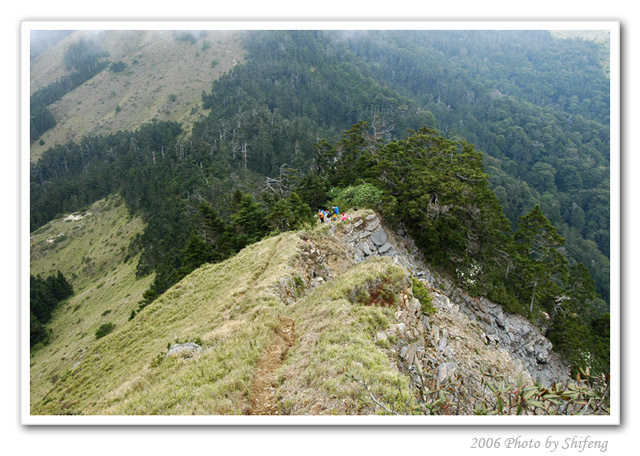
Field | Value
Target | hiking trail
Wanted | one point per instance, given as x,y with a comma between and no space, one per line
263,387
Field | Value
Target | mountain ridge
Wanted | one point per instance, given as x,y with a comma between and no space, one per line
322,287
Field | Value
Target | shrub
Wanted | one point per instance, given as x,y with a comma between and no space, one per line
421,294
117,67
360,196
104,329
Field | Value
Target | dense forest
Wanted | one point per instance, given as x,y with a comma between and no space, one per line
45,296
492,147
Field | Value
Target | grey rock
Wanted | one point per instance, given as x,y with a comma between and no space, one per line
381,335
446,370
414,306
371,245
542,357
385,247
443,340
409,355
364,248
379,236
427,326
187,349
373,224
358,223
371,217
441,301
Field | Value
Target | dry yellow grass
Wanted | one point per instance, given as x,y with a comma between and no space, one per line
232,309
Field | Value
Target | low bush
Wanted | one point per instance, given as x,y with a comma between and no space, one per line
421,293
104,329
360,196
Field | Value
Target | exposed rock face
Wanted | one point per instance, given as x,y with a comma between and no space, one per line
518,336
511,335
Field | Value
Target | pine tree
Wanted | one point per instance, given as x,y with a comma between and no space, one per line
249,221
540,268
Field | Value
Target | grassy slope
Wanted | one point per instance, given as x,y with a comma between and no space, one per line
90,254
232,308
158,67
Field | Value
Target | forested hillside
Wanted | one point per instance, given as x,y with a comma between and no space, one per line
538,107
417,118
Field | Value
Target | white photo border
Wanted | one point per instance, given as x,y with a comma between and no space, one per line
613,27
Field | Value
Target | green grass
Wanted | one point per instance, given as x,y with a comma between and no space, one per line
336,326
232,309
106,289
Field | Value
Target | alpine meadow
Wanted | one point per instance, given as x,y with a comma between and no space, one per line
309,222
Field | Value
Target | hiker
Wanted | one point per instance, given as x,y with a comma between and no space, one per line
321,215
334,217
335,208
344,217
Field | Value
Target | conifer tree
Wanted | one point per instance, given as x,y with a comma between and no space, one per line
540,268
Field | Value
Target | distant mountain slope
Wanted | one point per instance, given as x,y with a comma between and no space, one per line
91,248
163,78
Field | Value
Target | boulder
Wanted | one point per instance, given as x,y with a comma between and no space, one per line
381,335
385,247
379,236
186,350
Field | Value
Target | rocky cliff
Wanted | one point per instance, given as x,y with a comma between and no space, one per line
462,322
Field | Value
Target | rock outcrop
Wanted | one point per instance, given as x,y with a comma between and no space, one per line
460,315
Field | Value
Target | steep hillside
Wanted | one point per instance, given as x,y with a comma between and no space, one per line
302,323
536,106
163,78
91,250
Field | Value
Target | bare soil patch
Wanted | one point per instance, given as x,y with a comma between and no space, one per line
263,387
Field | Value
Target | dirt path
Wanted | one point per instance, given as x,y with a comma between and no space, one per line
265,380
